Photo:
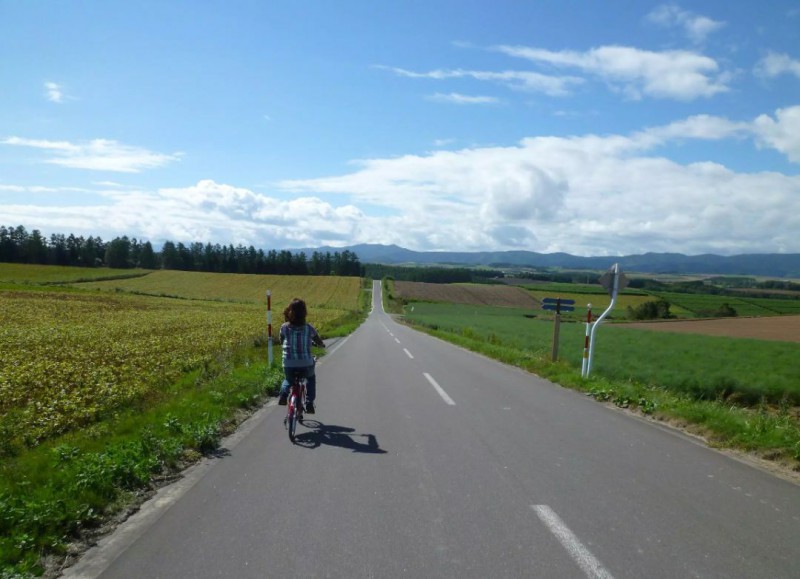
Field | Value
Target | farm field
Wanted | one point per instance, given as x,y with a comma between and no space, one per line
683,306
476,294
702,305
339,293
55,274
779,328
69,358
529,296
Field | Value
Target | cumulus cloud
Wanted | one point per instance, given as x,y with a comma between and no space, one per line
775,64
696,27
205,211
703,127
672,74
97,155
781,133
588,195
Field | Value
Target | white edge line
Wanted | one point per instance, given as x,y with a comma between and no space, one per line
335,347
580,554
440,390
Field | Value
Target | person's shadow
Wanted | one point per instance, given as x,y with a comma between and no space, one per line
333,435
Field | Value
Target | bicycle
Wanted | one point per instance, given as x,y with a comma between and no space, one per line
295,404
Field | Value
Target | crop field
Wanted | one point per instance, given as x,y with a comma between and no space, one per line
778,328
476,294
68,358
56,274
701,305
340,293
516,296
779,306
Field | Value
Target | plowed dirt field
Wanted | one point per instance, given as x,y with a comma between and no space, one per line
780,328
471,294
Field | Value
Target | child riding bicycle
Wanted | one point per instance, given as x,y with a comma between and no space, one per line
297,337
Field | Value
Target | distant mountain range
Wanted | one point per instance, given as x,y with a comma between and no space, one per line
763,264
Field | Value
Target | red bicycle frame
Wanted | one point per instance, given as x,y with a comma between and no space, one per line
295,405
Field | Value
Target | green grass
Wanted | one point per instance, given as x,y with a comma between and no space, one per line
18,273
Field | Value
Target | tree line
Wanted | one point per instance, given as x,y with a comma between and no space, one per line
430,274
17,245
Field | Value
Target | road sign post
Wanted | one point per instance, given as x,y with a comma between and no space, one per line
558,305
614,281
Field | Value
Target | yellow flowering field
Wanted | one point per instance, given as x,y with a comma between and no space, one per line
327,292
68,357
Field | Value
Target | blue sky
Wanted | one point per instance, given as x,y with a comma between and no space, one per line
594,128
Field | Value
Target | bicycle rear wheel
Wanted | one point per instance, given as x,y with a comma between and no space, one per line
291,417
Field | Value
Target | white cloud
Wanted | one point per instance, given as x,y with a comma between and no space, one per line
97,155
588,195
696,27
517,80
206,211
775,64
672,74
461,99
704,127
781,133
53,92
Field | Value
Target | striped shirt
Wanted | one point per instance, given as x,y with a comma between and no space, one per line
297,342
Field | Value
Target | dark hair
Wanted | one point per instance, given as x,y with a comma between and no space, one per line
295,313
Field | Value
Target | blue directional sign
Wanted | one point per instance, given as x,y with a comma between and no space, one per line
558,305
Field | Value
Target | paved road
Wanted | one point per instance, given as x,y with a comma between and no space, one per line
425,460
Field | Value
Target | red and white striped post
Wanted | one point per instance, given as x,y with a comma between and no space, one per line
586,340
269,327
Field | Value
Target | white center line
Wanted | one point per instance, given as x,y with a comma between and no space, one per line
591,567
440,390
396,340
408,353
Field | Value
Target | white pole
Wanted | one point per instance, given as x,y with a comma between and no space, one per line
614,293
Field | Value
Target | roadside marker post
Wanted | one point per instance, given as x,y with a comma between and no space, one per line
269,327
586,339
557,304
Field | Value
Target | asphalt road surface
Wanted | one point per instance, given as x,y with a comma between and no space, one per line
425,460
